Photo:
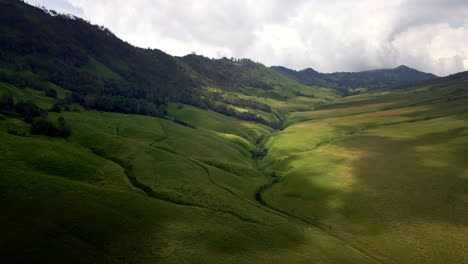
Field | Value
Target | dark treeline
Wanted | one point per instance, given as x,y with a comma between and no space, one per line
23,79
34,115
223,109
103,102
297,93
234,100
228,74
25,110
45,127
121,104
208,102
259,153
247,103
183,123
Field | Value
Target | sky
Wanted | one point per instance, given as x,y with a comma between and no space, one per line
326,35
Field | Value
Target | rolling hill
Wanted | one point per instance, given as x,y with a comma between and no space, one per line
219,160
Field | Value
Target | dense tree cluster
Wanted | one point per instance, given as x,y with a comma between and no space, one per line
297,93
228,74
121,104
221,108
45,127
237,101
247,103
259,153
23,79
34,115
51,93
26,110
207,103
183,123
7,104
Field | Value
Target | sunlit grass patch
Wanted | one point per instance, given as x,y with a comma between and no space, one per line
420,128
217,122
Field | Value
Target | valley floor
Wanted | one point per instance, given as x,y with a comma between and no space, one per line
374,178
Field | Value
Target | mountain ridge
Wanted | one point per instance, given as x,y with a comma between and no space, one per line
106,73
371,79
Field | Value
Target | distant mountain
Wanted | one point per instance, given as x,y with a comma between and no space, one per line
460,78
374,79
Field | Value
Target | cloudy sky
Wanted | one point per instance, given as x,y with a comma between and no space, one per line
327,35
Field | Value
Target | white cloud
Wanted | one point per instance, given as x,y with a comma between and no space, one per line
331,35
440,48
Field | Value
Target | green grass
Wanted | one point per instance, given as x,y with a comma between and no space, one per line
103,219
100,69
213,121
27,94
392,179
374,178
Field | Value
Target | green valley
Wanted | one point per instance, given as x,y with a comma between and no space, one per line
230,161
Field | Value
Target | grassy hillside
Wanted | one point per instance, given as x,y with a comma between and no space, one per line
386,169
115,154
84,58
126,188
43,50
374,178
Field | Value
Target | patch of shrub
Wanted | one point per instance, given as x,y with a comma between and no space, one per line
183,123
259,153
51,93
43,126
28,111
56,108
122,104
13,130
7,104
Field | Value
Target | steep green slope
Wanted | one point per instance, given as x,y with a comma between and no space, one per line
238,75
43,50
83,58
248,90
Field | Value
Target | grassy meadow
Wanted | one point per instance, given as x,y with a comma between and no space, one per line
374,178
387,170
